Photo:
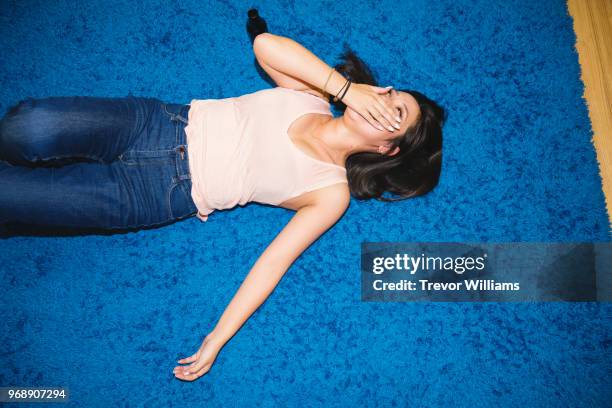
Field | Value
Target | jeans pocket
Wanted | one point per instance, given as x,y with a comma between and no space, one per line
166,112
180,203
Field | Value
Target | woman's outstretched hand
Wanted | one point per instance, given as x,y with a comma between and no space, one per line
200,362
373,103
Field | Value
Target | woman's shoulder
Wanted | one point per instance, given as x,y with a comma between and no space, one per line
334,198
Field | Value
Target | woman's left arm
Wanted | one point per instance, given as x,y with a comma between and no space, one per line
291,65
308,224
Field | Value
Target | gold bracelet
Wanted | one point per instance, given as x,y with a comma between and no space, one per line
328,77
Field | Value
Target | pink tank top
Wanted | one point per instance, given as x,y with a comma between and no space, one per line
239,150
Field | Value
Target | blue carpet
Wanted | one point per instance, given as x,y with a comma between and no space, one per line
107,316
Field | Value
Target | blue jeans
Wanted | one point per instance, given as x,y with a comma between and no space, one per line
94,162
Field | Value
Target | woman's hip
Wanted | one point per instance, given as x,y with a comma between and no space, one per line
154,190
161,162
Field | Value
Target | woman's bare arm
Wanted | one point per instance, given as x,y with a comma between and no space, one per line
291,65
308,224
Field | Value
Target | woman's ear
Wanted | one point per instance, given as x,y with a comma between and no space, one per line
384,150
394,152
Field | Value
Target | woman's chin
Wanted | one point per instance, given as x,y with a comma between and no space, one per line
360,123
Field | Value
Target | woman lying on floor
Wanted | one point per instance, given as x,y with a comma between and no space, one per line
134,162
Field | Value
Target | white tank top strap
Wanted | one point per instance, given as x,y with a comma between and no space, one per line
308,104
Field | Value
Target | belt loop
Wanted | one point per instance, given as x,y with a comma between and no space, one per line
176,116
179,117
180,177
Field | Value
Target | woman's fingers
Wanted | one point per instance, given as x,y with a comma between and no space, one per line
184,370
381,118
382,90
374,106
183,376
391,108
384,116
388,113
194,367
180,370
201,371
372,120
193,376
192,372
382,105
188,359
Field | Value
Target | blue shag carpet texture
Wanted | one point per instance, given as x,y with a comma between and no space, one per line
108,315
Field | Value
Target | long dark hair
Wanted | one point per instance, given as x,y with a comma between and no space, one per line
415,169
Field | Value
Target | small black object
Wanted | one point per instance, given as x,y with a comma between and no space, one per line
255,24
